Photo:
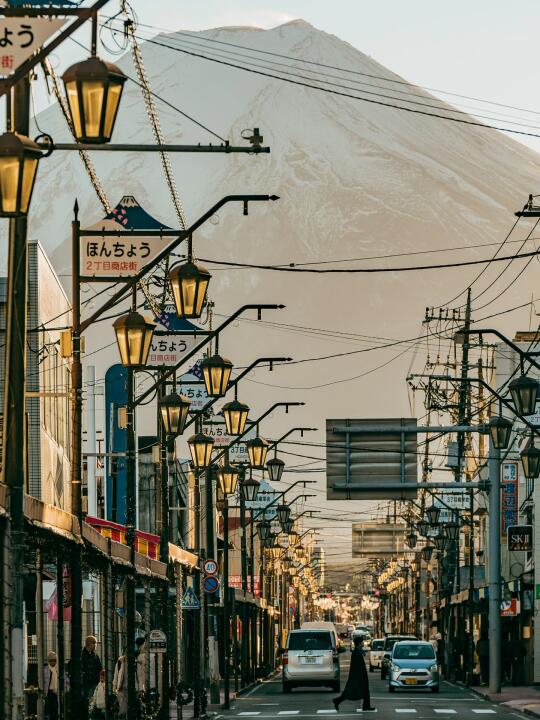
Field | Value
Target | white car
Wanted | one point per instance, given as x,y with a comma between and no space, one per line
375,654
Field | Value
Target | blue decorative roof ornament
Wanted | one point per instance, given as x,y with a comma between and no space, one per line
132,216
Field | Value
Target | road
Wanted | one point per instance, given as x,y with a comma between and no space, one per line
452,702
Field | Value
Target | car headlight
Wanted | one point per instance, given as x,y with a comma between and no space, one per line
434,668
394,668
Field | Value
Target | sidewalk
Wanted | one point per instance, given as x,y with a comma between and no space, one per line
525,699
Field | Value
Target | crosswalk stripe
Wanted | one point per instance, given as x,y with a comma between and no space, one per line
445,710
484,712
326,712
405,710
289,712
245,714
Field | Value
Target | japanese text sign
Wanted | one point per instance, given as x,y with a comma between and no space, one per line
20,37
509,496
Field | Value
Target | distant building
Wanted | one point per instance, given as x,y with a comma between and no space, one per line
319,565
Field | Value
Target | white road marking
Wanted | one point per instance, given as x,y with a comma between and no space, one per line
485,712
246,714
289,712
445,710
326,712
405,710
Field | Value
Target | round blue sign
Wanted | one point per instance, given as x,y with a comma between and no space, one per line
210,584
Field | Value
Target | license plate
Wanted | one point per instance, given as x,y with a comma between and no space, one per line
309,660
410,681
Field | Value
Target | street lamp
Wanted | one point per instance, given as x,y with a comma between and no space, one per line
524,391
293,537
216,371
249,489
427,552
440,542
200,447
228,478
235,414
433,513
530,459
288,526
134,334
264,529
283,514
93,89
411,540
174,411
18,166
257,449
189,283
275,468
500,429
451,530
423,528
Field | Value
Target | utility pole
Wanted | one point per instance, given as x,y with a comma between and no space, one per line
494,568
14,444
463,419
212,633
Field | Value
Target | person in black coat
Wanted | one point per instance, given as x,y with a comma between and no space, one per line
357,687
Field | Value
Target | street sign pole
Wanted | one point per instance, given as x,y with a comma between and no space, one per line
494,568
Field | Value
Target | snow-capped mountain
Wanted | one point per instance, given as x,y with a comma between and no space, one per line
355,180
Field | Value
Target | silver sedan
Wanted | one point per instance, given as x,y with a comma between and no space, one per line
413,665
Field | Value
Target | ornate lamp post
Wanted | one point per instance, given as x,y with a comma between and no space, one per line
217,372
19,158
134,335
524,391
235,414
174,410
257,449
200,447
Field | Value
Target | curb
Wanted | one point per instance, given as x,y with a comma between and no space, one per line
525,710
249,687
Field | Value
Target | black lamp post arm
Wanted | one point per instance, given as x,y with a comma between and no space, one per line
234,383
523,354
207,338
291,431
281,495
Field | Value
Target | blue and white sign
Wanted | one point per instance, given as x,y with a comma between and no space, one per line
265,497
190,601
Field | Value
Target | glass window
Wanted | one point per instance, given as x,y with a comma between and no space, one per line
414,652
310,641
377,645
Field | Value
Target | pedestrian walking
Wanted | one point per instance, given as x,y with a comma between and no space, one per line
120,684
482,650
98,704
50,687
90,667
357,687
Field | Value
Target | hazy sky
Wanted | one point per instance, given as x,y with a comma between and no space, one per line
485,48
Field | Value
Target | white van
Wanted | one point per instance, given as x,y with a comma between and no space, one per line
323,625
311,658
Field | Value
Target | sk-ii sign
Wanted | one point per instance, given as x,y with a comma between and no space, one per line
520,538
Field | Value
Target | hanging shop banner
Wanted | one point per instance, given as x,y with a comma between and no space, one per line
216,428
520,538
169,350
510,607
509,495
449,501
21,37
192,386
265,497
235,581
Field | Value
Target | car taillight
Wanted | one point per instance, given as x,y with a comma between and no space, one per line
285,657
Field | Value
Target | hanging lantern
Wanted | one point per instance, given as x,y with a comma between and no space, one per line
500,430
275,468
288,526
300,552
440,542
257,449
174,410
264,529
134,335
249,489
411,540
216,371
283,513
235,414
19,158
292,571
293,538
93,89
270,540
189,283
524,391
423,528
451,530
228,478
432,514
200,446
530,459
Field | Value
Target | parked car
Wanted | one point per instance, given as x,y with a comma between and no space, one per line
375,653
311,658
413,665
389,643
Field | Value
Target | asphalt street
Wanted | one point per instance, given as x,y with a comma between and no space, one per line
453,702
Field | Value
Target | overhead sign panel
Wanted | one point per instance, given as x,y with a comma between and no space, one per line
378,540
371,459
